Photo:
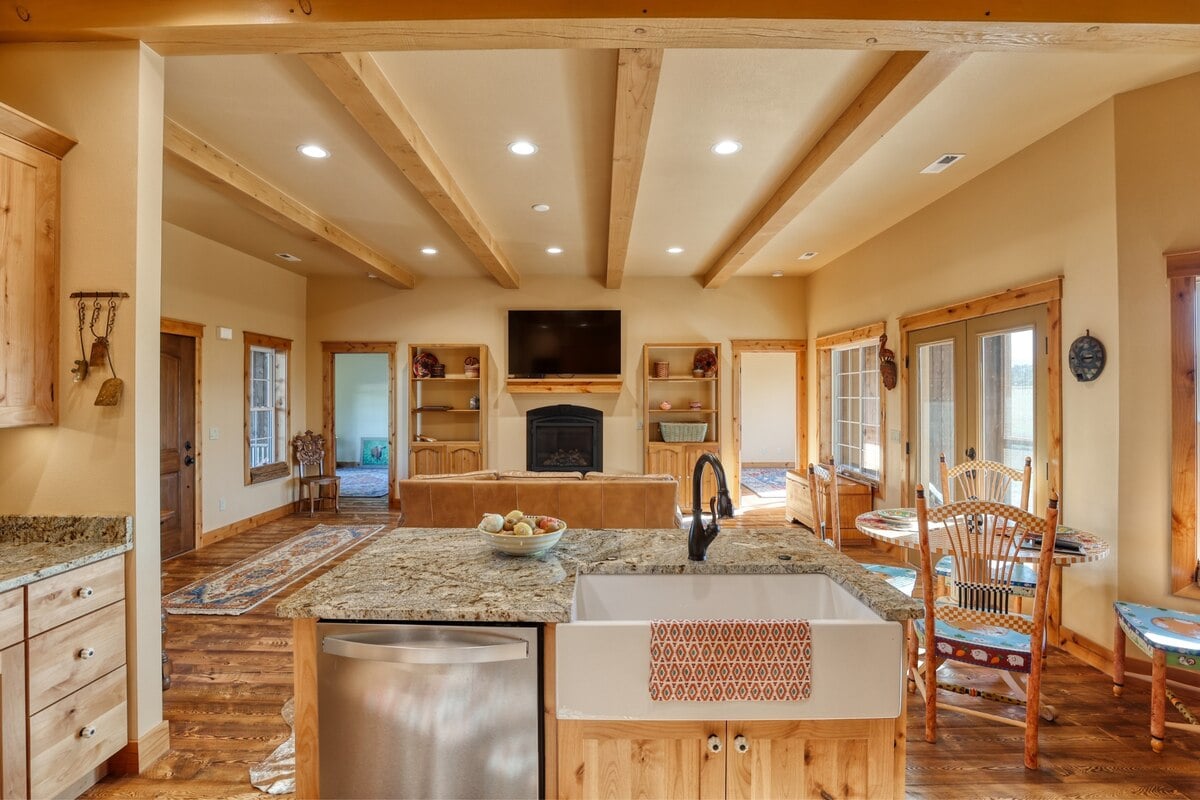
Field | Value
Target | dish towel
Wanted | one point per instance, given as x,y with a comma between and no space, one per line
710,661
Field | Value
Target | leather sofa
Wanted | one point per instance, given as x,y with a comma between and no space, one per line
612,503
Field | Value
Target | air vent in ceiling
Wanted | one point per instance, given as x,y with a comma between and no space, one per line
287,257
943,162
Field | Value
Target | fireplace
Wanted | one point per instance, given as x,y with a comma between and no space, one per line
564,438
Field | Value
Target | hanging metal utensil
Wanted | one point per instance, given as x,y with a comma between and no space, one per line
81,365
112,388
100,345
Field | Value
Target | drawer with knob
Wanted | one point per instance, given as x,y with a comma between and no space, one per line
68,739
66,658
66,596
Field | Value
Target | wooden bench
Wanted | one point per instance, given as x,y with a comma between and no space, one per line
1170,638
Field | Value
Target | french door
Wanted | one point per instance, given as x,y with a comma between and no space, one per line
978,389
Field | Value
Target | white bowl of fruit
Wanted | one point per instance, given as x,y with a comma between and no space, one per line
518,534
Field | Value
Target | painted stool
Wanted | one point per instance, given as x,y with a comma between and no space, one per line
1170,638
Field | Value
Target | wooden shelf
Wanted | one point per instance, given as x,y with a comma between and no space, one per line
682,410
687,378
459,433
564,385
445,411
446,379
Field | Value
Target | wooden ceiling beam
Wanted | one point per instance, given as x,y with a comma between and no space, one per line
904,81
358,83
180,27
231,179
637,85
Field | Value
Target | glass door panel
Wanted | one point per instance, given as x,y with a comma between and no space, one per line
1007,400
936,409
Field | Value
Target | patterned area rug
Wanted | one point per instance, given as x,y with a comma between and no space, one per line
363,481
242,586
765,481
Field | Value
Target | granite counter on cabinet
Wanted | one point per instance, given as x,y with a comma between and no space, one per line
36,547
450,574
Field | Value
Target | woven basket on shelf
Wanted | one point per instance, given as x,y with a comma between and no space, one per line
683,431
662,369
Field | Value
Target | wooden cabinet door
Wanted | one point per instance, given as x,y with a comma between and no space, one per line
708,484
462,458
667,459
12,722
601,759
811,758
425,459
28,284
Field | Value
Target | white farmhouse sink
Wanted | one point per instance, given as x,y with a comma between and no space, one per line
603,655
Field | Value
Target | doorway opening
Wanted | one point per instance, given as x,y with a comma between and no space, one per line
360,421
768,420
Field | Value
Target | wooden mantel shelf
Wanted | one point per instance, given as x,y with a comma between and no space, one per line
608,385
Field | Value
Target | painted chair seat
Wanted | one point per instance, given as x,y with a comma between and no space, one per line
985,645
1177,633
1024,576
901,578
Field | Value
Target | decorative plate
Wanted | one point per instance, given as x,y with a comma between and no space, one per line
705,360
423,364
1086,358
897,514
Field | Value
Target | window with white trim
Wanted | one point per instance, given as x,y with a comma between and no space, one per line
267,407
855,426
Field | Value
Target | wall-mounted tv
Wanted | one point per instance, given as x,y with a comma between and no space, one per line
552,344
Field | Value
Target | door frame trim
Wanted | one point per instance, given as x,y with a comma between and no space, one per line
193,330
799,347
328,351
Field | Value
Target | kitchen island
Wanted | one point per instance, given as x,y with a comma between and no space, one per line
451,575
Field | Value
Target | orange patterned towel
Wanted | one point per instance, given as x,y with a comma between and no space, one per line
710,660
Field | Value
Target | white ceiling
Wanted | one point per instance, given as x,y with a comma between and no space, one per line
471,104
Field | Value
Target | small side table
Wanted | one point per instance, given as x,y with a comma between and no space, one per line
1170,638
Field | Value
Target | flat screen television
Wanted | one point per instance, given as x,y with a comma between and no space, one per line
552,344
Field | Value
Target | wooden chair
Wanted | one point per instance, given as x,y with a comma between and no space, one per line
827,522
1171,639
310,456
989,481
976,626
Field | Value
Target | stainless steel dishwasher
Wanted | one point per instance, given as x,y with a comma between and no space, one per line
429,711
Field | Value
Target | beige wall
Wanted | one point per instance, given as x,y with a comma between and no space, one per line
1049,210
769,407
472,311
361,401
1158,194
101,460
213,285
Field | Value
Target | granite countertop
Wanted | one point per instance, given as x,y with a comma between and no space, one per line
36,547
450,574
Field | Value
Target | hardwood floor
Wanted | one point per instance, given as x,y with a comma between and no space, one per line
231,676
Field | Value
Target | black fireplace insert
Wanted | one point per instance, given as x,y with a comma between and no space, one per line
564,438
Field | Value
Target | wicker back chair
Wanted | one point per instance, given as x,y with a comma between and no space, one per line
985,541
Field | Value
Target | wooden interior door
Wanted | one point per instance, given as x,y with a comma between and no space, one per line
177,454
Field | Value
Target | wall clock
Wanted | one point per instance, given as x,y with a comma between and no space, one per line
1086,357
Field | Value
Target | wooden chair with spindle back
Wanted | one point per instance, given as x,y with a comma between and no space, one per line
827,523
978,627
310,456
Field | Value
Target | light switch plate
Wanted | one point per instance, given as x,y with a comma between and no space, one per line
224,333
214,433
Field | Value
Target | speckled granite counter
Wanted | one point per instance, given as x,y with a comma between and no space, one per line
450,574
36,547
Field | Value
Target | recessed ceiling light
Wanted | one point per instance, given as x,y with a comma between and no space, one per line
806,256
429,251
313,151
553,250
674,250
540,208
726,147
777,273
287,257
521,147
942,162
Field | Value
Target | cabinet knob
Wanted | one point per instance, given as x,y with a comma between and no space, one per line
84,592
714,743
740,743
86,652
87,731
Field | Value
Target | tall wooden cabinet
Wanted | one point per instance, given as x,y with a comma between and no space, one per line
693,400
445,434
29,212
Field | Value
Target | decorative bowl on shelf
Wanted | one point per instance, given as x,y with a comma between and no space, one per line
529,545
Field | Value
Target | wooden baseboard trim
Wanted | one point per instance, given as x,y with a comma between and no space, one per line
234,528
135,757
1097,655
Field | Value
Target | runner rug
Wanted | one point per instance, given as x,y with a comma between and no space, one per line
242,586
363,481
765,481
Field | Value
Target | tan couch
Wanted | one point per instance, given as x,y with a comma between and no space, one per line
616,503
